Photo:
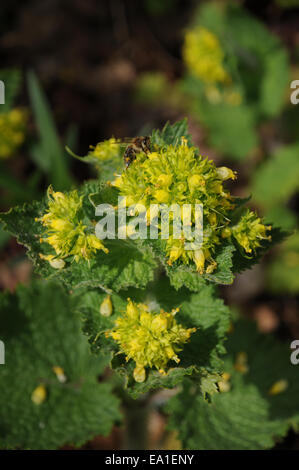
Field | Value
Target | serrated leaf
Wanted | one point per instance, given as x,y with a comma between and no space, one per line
246,416
171,134
200,357
41,330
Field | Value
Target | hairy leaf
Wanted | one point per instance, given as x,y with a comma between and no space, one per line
41,330
171,134
247,416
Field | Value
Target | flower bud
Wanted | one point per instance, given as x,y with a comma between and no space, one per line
278,387
139,374
226,232
226,173
59,372
132,310
199,259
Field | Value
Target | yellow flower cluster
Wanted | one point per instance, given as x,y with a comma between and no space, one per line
106,150
12,131
66,232
204,56
150,339
178,175
229,95
250,231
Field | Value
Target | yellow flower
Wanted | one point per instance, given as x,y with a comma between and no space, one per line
176,174
224,385
59,372
175,251
106,150
204,56
161,196
278,387
13,126
86,246
164,180
150,339
117,182
250,231
195,181
226,232
56,263
199,259
226,173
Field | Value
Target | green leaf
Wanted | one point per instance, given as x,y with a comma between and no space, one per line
12,81
277,179
275,82
48,153
246,416
199,358
261,60
283,272
41,330
210,16
231,129
127,263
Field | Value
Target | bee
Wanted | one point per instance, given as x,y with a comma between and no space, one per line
136,145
